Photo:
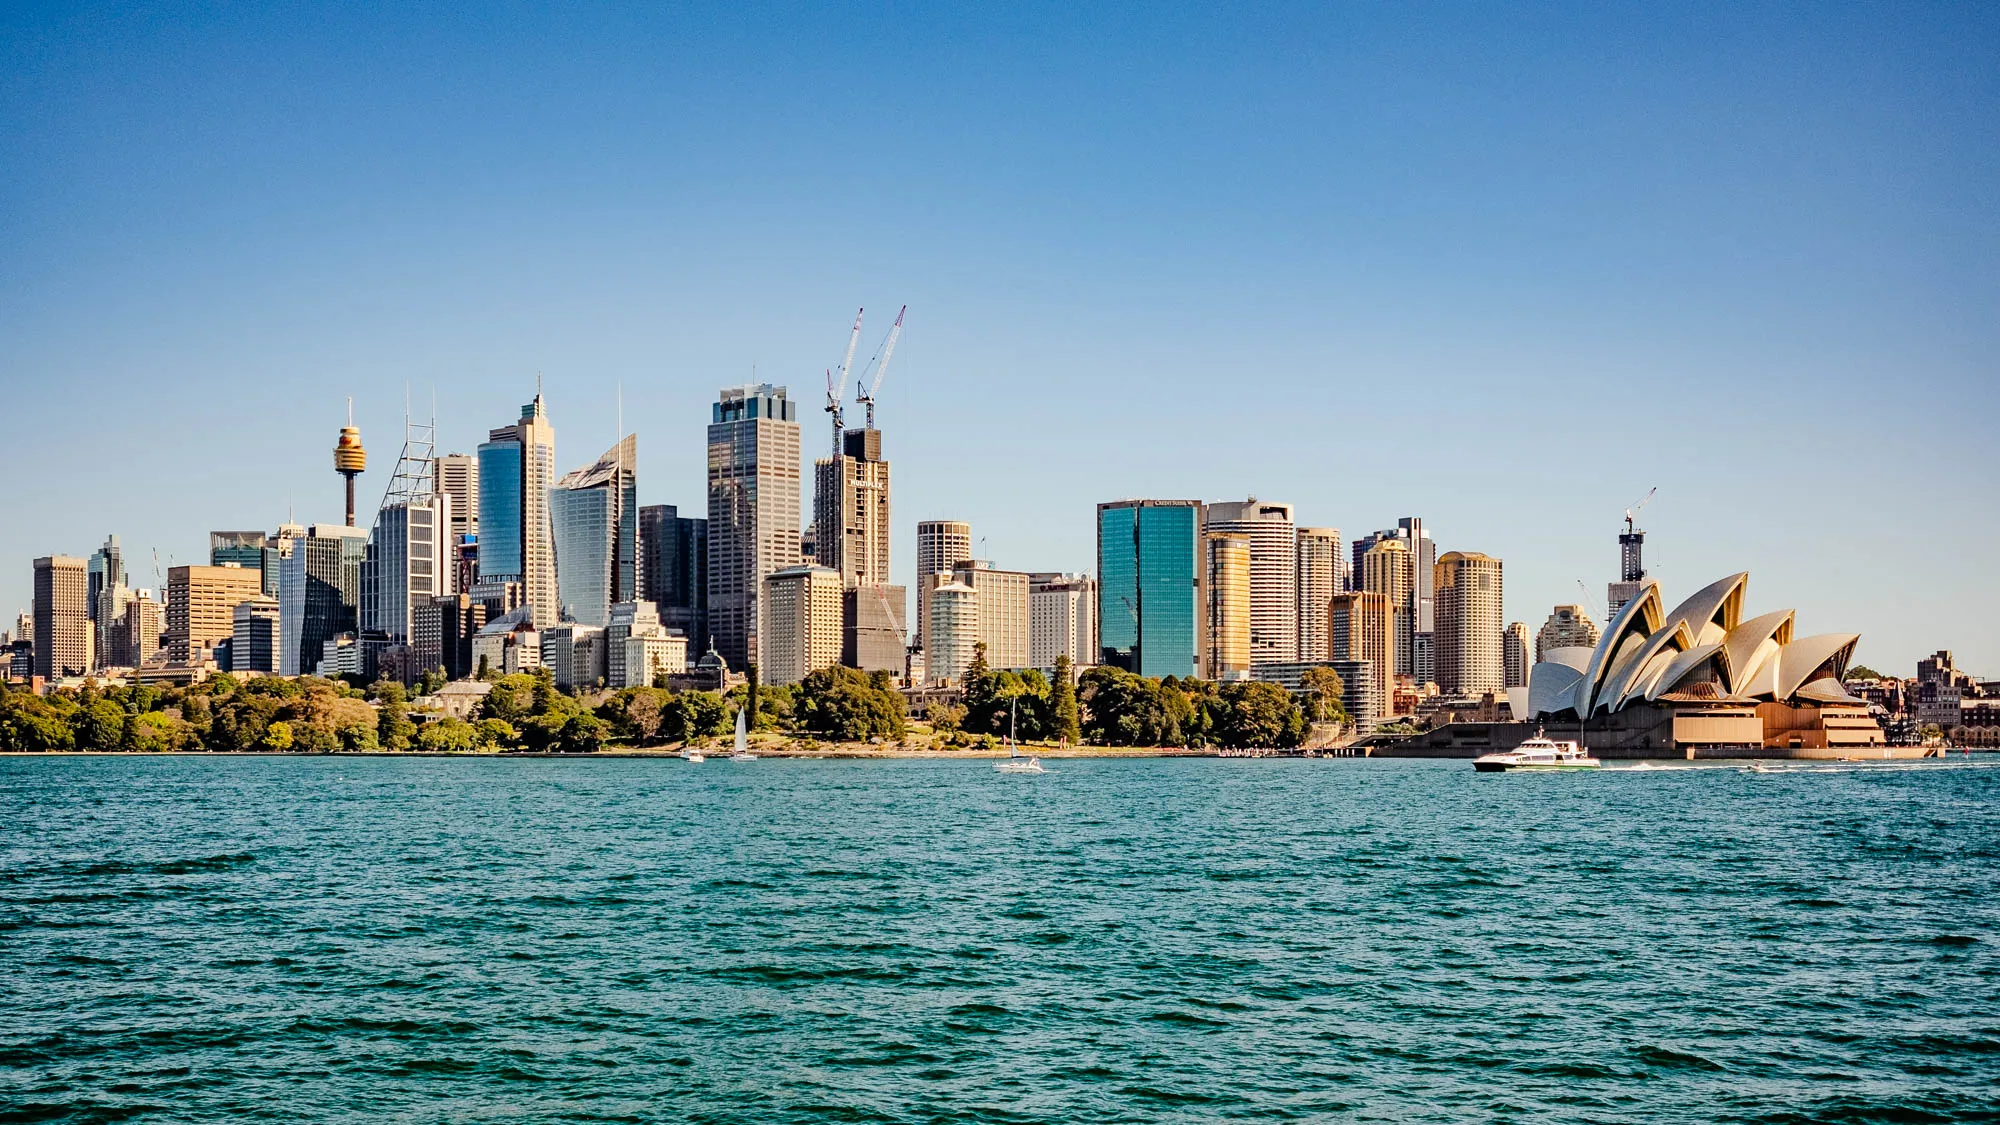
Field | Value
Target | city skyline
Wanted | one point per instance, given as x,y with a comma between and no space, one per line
1439,270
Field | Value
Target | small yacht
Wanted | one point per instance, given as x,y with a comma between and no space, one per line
1537,753
1015,761
742,751
692,755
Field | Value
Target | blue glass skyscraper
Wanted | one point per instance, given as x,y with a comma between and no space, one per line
1148,612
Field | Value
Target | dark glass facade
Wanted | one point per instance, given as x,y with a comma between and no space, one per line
1148,615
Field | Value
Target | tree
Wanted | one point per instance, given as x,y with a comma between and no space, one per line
1325,694
277,737
979,690
33,724
1862,672
1251,714
98,724
496,733
750,696
431,681
582,733
689,715
393,729
947,719
1062,696
849,705
1121,709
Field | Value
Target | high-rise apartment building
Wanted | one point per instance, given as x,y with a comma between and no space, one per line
1062,619
851,510
802,623
1390,570
1148,573
1228,605
1469,615
253,634
673,571
517,467
201,607
1414,657
595,514
1274,573
1322,574
63,638
753,510
1003,610
941,545
319,593
138,632
457,475
953,631
1514,654
1568,626
1360,627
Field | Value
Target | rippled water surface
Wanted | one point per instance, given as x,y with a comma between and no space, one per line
1177,940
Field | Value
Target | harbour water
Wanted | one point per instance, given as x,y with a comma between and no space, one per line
365,939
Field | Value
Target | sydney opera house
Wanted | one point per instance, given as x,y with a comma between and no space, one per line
1698,681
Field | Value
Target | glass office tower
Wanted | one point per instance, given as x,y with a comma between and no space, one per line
594,512
1149,598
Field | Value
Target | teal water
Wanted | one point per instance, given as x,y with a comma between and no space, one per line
368,939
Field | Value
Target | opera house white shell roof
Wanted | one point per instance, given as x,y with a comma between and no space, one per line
1702,651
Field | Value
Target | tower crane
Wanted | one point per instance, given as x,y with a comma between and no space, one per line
1632,512
881,365
834,383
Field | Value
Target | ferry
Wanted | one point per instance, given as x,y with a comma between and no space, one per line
1537,753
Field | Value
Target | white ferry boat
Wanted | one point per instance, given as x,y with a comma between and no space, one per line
1537,753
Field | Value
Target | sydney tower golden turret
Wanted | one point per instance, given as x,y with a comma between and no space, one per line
349,459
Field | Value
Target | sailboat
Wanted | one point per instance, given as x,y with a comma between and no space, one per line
1017,762
742,751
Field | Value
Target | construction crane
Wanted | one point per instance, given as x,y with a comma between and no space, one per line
881,365
834,383
1632,512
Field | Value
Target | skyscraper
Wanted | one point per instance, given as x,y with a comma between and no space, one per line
1228,605
1423,595
1469,595
851,510
753,509
1062,619
1388,569
1360,627
1631,571
1003,610
319,593
1148,571
408,560
457,476
673,571
802,623
941,545
873,627
247,549
1274,573
595,514
1568,626
953,631
1514,654
253,636
201,607
517,466
108,595
63,640
1322,574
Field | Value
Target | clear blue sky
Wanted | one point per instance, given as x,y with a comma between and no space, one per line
1502,266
